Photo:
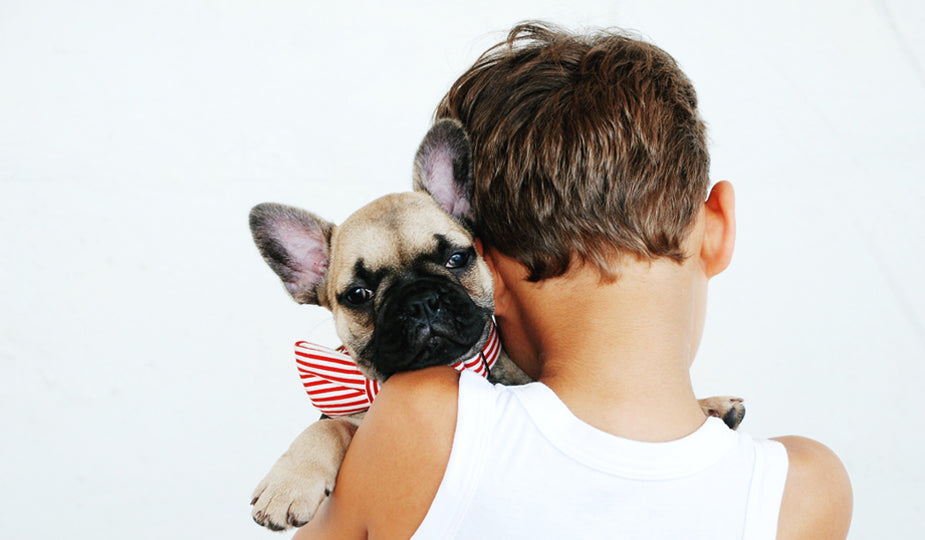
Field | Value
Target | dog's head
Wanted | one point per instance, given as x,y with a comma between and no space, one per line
401,275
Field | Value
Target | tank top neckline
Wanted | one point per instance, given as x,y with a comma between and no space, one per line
620,456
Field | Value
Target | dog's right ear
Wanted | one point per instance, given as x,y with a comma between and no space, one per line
296,245
443,168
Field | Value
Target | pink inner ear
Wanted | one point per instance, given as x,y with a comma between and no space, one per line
308,249
442,186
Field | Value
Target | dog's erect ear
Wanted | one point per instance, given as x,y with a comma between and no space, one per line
443,168
295,244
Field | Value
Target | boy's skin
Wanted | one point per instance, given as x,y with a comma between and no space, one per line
616,353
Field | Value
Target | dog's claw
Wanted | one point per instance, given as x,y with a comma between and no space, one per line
274,527
735,415
294,521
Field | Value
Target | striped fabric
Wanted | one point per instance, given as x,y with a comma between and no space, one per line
336,387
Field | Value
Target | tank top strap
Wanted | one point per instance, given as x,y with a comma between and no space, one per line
766,491
468,455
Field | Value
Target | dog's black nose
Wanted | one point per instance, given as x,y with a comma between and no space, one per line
423,307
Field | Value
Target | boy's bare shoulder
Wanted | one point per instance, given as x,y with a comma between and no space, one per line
817,500
416,391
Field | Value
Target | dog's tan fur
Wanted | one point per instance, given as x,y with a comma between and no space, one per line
302,477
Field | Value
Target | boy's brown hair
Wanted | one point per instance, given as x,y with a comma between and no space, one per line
586,146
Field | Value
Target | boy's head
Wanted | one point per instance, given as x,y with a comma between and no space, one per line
586,146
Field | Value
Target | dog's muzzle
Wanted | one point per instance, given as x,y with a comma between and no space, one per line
425,321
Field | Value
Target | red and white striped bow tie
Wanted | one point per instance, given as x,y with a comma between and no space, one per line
336,387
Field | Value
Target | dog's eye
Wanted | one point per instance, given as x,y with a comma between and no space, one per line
358,296
458,260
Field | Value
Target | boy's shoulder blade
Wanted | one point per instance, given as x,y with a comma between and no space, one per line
817,501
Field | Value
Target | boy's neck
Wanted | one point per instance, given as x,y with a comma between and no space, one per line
619,354
640,393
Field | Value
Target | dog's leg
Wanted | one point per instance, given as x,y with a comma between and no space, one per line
300,480
729,408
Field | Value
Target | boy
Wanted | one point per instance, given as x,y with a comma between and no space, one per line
591,202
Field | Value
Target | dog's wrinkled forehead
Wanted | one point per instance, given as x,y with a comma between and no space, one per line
391,232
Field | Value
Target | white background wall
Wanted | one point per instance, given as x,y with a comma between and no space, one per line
146,373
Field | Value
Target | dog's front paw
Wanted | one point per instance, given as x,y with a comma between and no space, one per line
730,409
290,494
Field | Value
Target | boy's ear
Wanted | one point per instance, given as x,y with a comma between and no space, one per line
296,245
443,168
719,229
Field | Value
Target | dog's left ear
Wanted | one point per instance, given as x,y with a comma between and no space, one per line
443,168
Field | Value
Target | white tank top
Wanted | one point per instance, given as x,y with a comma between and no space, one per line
523,466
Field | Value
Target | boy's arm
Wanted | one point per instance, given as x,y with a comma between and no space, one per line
817,501
395,462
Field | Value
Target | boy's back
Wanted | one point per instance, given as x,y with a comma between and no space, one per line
713,484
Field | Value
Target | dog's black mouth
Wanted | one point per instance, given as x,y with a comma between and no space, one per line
438,350
425,322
